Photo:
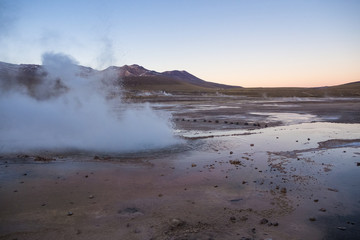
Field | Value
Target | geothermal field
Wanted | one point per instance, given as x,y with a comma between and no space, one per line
79,160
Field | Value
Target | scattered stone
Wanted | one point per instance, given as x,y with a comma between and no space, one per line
43,159
96,157
231,152
253,230
276,224
246,124
244,182
333,190
312,219
176,223
15,190
43,205
235,162
244,218
264,221
358,164
341,228
193,165
216,121
160,195
322,210
316,200
283,190
70,213
233,219
251,145
308,139
91,196
86,176
216,186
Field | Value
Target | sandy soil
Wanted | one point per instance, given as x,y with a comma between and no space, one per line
248,169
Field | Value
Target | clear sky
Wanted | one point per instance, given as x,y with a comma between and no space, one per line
250,43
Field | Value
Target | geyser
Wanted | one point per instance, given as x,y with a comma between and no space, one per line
69,110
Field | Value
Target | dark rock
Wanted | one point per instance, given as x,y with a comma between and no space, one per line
341,228
96,157
246,124
231,152
276,224
283,190
358,164
322,210
176,223
91,196
43,159
264,221
129,210
312,219
233,219
70,213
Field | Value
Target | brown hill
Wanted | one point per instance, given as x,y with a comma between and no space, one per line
136,78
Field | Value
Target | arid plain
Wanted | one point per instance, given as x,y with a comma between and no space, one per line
244,168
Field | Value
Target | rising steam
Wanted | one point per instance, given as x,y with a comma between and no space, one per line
73,109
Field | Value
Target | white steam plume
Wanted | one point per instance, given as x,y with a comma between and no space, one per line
79,118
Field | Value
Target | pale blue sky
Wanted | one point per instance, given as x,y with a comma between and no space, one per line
246,42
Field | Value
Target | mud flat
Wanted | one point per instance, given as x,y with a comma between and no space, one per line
246,169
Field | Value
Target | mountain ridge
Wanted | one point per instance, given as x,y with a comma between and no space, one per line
135,78
127,73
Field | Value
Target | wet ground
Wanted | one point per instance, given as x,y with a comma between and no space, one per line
246,169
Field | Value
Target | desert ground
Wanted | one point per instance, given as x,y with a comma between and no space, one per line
245,168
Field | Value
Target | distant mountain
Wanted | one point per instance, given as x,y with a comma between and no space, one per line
143,76
135,78
132,77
